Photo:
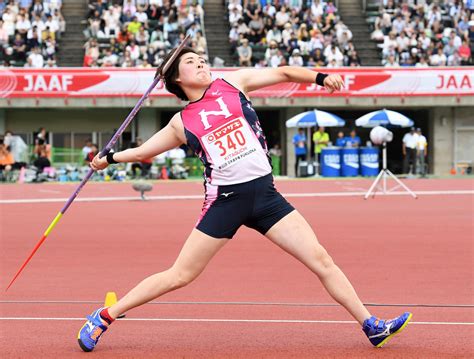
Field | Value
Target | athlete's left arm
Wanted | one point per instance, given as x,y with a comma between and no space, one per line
253,79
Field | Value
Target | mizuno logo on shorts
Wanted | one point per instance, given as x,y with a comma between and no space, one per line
226,194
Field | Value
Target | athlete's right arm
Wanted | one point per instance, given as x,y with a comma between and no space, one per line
170,136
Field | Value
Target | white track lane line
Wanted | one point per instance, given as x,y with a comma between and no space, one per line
201,197
230,303
206,320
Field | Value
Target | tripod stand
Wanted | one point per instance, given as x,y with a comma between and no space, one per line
383,174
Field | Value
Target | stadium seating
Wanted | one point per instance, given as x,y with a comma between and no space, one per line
139,33
291,32
29,31
428,33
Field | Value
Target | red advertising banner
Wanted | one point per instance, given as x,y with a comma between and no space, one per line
112,82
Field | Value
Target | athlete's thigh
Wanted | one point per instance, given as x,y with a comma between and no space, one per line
197,251
294,235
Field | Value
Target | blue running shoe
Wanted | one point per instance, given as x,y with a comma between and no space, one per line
91,331
380,331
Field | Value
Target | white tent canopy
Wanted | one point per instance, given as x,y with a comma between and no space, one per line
385,118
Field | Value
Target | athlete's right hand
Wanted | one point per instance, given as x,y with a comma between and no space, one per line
99,163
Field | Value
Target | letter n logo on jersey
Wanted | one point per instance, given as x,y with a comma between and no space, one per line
224,111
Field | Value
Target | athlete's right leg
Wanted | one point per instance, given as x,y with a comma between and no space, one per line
196,253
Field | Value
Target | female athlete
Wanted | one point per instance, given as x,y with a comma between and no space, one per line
221,127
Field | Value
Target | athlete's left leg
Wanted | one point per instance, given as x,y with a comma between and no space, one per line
293,234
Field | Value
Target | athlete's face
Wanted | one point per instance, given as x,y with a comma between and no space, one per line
193,71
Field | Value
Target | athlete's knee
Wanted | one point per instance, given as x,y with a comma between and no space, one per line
323,259
181,277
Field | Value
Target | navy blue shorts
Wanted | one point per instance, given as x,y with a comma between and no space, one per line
255,204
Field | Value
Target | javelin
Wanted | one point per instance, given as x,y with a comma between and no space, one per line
103,153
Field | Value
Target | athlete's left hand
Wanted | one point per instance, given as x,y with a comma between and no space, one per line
333,83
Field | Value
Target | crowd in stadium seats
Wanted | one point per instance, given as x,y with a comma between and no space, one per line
29,30
293,32
425,33
138,33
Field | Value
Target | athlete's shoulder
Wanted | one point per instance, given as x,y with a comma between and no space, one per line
230,82
176,121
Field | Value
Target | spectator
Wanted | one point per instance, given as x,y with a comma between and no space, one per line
319,58
52,24
6,160
42,154
51,63
3,34
96,6
299,141
398,24
332,64
144,166
422,153
377,34
94,150
92,52
296,59
19,48
321,140
134,26
234,16
201,40
35,58
17,147
234,38
275,150
256,28
41,135
87,148
134,51
353,140
23,24
392,62
281,17
277,59
47,33
177,156
33,39
454,59
354,60
274,35
422,62
245,53
465,53
341,140
129,7
409,149
438,59
8,19
331,53
110,59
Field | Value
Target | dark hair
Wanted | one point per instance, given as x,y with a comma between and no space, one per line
172,73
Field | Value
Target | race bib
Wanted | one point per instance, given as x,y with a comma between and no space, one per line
230,143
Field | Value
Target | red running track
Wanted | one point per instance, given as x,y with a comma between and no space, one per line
395,250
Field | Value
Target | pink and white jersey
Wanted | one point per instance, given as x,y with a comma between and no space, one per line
223,130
